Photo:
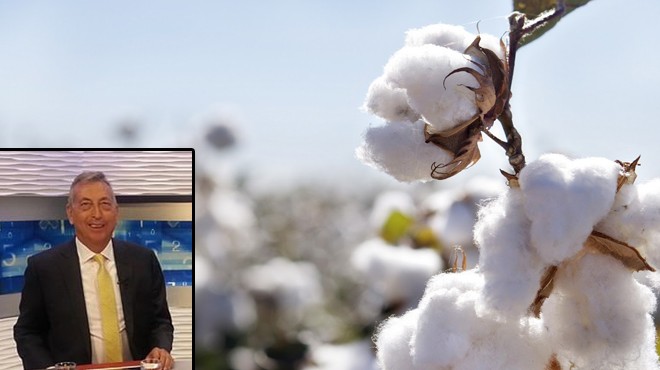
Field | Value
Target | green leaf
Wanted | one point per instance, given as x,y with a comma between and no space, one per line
533,8
424,236
395,227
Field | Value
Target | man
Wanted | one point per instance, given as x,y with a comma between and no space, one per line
94,299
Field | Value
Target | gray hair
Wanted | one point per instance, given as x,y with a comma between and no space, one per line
87,177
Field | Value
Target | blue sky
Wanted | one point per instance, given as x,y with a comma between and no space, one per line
295,72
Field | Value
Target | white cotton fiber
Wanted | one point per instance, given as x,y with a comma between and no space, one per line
520,345
452,37
421,71
356,355
388,202
635,219
388,102
296,286
452,334
512,269
399,150
393,342
396,272
454,227
564,199
598,315
447,35
447,321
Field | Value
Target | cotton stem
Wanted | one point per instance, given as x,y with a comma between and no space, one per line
518,28
514,141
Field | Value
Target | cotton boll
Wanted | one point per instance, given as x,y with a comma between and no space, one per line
564,199
511,268
388,202
451,217
447,35
649,201
454,227
635,219
421,71
598,316
393,342
400,151
219,311
295,286
398,273
229,225
447,319
453,212
452,334
231,210
388,102
520,345
350,356
622,222
452,37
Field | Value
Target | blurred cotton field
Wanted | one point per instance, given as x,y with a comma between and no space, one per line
301,276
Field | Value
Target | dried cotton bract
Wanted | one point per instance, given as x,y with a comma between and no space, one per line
450,83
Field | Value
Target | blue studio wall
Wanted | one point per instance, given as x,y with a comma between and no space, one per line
170,240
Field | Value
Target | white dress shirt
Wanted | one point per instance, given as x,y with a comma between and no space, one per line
89,270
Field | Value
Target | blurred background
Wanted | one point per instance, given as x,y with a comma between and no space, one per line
300,250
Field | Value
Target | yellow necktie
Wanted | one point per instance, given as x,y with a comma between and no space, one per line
108,307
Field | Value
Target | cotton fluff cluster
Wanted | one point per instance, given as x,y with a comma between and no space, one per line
598,315
293,286
453,214
395,273
415,85
356,355
446,332
635,217
388,202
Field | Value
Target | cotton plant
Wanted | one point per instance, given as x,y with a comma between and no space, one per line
394,264
224,234
567,253
436,89
452,214
392,267
357,355
286,294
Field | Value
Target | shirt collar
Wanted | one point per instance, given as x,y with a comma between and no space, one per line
85,254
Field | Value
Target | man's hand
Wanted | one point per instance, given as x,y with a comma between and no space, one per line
166,360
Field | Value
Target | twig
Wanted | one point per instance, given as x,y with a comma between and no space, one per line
519,28
496,139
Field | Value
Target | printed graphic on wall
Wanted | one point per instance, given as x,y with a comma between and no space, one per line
170,240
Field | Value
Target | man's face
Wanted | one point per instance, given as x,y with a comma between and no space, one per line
93,214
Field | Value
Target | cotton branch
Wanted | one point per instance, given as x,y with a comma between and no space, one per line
519,28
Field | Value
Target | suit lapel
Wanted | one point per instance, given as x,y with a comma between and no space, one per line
124,275
70,270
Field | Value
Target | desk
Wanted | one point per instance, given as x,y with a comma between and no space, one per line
133,365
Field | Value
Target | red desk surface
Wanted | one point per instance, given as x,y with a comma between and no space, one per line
182,364
113,366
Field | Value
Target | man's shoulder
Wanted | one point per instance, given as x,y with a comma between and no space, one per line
57,250
130,247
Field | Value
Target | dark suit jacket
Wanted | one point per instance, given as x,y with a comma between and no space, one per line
52,325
